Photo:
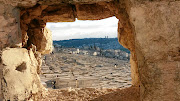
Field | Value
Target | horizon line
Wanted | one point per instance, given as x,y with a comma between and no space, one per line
85,38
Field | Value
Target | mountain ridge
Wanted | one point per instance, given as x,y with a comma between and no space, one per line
103,43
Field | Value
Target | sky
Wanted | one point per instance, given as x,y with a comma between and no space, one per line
84,29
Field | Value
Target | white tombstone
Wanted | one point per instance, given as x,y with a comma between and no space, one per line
95,53
78,51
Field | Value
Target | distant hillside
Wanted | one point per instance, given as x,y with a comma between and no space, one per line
103,43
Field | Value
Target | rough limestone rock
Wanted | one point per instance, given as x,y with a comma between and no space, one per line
46,42
58,13
1,75
148,28
92,12
40,37
9,28
55,2
20,80
134,70
20,3
157,40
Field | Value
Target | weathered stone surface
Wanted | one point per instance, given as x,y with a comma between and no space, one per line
27,16
158,49
37,56
155,30
125,29
58,13
92,11
20,79
20,3
149,29
126,35
54,2
46,42
1,76
39,36
134,70
9,27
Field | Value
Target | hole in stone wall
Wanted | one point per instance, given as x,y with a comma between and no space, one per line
22,67
86,54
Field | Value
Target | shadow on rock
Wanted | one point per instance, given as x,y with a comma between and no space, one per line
127,94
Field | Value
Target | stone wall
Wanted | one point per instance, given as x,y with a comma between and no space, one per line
157,40
20,79
10,26
148,28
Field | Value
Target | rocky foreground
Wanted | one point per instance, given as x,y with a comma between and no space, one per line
91,94
62,70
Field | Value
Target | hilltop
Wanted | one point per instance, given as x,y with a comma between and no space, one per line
103,43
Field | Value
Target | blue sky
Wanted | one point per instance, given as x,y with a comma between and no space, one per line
84,29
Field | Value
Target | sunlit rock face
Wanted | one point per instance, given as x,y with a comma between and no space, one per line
46,43
20,79
149,29
157,43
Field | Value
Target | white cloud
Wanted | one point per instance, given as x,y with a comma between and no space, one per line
84,29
